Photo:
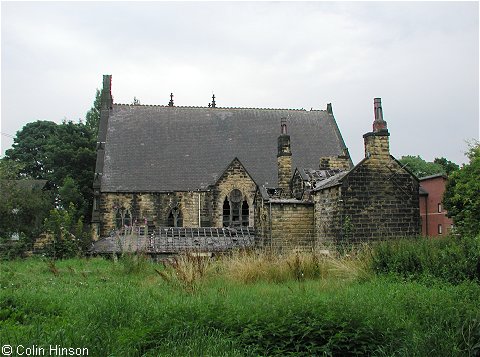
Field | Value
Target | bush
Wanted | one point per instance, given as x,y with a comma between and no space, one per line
450,258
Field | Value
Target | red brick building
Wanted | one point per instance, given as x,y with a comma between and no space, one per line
433,216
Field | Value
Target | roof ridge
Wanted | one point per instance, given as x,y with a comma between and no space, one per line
216,108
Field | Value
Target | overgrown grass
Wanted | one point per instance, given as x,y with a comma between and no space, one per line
248,304
255,266
449,258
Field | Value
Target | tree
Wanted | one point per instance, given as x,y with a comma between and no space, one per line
53,152
69,194
447,165
29,149
23,207
421,168
93,115
462,194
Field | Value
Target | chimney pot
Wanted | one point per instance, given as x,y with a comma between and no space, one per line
378,124
329,108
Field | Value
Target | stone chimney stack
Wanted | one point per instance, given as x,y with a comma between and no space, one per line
106,97
284,158
106,101
329,109
377,142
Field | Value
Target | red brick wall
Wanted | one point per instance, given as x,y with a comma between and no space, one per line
429,207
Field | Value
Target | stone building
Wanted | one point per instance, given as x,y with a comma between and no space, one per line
190,168
174,166
336,203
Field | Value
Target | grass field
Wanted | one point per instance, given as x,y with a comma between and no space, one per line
245,305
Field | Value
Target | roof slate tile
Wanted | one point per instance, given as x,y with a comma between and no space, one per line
160,148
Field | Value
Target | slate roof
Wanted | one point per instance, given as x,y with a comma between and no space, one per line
331,181
313,175
161,148
432,177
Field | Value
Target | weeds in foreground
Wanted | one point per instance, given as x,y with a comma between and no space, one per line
300,304
52,267
186,270
253,266
189,270
132,263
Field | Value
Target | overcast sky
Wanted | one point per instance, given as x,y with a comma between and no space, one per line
422,59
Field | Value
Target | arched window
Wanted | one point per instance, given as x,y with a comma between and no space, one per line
127,220
175,218
123,218
245,212
118,220
226,212
235,210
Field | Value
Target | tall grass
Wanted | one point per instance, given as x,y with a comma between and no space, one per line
255,266
453,259
246,304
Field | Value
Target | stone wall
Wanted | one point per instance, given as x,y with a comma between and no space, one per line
235,177
154,208
379,200
261,220
334,162
328,209
284,163
287,225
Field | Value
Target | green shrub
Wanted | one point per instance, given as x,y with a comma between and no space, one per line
450,258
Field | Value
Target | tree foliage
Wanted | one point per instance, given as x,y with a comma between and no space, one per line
67,232
23,207
447,165
30,149
462,194
64,155
420,167
54,152
93,115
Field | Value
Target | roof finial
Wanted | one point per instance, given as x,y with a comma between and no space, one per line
213,101
283,125
170,103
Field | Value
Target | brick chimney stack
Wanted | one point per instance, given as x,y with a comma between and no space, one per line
377,142
284,158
